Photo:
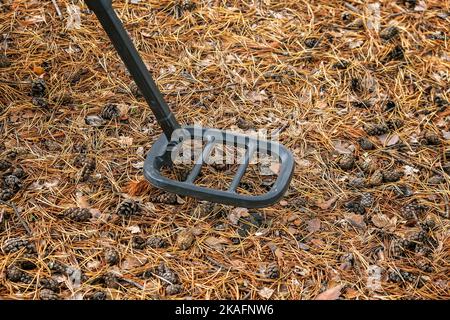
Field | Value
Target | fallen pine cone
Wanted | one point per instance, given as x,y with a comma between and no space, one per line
15,244
173,289
272,271
47,294
392,176
14,274
128,208
185,239
165,197
111,256
110,111
49,283
78,214
156,242
38,88
347,162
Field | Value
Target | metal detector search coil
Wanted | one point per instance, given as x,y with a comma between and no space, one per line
160,154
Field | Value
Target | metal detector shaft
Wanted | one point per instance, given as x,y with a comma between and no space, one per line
122,42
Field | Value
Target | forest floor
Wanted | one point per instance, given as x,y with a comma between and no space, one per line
358,92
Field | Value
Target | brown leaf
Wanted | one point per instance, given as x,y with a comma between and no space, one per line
275,167
185,239
356,220
292,230
237,213
317,242
266,293
217,243
313,225
327,204
284,203
351,293
134,229
137,188
279,254
82,201
388,140
255,96
238,264
446,134
38,70
330,294
131,263
383,222
125,142
93,265
343,147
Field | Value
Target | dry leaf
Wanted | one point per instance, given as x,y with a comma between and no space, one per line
82,201
330,294
35,20
353,44
125,141
185,239
351,293
138,165
284,203
383,222
134,229
343,148
410,171
313,225
275,167
303,163
266,293
255,96
131,263
93,265
374,16
216,243
37,185
387,140
446,134
94,121
356,220
327,204
316,242
180,200
236,214
38,70
137,188
74,19
123,110
238,264
279,254
421,6
96,214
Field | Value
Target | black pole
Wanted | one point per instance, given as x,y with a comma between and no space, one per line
121,40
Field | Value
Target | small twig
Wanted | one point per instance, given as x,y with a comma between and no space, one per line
447,207
217,264
16,212
14,82
161,278
58,11
352,7
134,283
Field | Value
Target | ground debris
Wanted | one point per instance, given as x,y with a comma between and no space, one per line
357,91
